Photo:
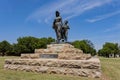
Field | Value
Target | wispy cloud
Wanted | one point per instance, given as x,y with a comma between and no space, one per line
102,17
115,28
68,8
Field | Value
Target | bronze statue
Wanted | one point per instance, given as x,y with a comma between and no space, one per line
61,29
57,26
65,28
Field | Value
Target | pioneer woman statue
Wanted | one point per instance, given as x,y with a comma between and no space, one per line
61,29
57,26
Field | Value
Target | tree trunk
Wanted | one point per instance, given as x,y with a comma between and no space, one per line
3,54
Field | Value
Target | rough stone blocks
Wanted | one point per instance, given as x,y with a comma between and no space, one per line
57,59
86,68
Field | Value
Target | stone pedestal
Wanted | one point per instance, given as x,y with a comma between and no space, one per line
60,51
57,59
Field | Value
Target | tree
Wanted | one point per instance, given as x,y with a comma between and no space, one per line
109,48
5,47
50,39
29,44
76,44
85,45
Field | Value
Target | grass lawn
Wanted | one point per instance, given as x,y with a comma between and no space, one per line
110,70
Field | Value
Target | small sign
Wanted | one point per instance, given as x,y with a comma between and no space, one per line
48,55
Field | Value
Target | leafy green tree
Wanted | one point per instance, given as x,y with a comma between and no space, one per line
85,45
76,44
50,39
119,49
109,48
29,44
5,47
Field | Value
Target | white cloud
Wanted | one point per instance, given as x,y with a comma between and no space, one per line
114,28
68,8
102,17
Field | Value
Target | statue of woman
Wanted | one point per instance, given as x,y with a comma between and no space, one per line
57,26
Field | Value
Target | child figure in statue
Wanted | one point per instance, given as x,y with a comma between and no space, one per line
65,28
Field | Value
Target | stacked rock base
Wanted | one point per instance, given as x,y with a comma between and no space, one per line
52,61
60,51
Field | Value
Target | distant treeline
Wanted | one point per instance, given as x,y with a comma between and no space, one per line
29,44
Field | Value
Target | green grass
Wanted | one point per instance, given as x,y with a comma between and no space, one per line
110,70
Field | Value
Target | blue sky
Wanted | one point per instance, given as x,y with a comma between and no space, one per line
95,20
